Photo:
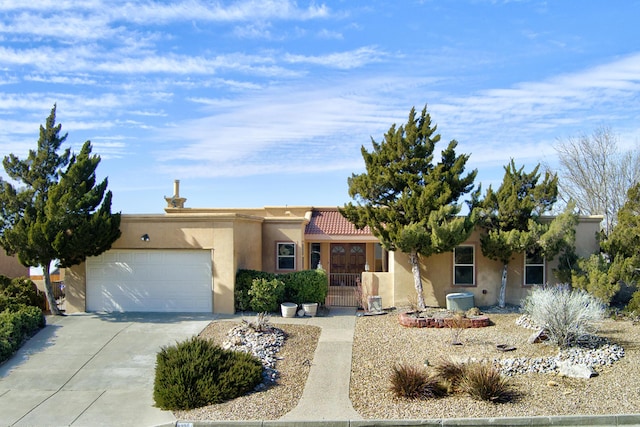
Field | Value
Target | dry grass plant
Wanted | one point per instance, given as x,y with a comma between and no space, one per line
449,372
482,381
411,382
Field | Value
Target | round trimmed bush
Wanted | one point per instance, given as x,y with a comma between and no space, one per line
266,295
197,372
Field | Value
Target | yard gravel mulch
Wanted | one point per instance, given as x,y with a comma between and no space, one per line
297,357
380,343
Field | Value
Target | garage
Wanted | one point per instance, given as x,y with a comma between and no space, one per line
150,280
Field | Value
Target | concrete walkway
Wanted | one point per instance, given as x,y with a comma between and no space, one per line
326,393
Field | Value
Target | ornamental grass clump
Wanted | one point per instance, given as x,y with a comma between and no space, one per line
482,381
197,372
449,373
565,314
411,382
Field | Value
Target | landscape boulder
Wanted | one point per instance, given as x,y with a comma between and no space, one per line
575,370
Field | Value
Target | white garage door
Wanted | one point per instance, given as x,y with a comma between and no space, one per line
150,280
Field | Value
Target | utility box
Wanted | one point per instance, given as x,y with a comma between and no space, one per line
460,301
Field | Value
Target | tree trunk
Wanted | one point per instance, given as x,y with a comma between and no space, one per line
417,279
503,287
48,289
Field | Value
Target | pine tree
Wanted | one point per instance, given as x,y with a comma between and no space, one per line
410,203
511,219
58,212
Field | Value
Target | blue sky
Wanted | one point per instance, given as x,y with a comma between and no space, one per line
253,103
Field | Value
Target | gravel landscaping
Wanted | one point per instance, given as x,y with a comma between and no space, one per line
380,342
296,358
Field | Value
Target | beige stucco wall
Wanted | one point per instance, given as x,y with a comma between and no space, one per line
247,238
282,230
234,241
11,267
437,272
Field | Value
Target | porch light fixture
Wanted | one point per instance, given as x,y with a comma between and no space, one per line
366,266
145,237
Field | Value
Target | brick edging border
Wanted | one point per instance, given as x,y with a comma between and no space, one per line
406,319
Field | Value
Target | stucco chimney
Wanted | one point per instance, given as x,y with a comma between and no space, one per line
176,188
175,201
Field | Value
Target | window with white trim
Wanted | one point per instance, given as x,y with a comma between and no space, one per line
464,265
533,268
286,256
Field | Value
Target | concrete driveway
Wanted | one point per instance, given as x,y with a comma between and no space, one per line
91,370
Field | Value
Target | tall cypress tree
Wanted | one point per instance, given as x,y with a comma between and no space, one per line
511,219
58,212
410,203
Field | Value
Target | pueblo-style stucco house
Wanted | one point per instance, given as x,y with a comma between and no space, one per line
186,259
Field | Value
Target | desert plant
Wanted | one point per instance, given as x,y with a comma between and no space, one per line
196,372
482,381
456,324
564,313
449,372
262,322
361,295
411,382
265,294
412,301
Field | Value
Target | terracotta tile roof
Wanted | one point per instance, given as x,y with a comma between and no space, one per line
331,222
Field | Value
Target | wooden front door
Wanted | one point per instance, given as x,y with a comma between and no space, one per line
346,265
348,258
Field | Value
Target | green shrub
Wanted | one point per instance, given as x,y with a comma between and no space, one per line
18,326
266,295
197,373
482,381
306,286
299,287
564,313
634,304
18,292
411,382
244,281
596,276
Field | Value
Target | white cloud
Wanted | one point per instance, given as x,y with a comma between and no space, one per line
343,60
160,12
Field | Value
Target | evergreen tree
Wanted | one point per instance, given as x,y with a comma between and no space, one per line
511,219
410,203
58,212
613,274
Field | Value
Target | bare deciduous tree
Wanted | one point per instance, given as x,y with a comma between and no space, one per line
596,174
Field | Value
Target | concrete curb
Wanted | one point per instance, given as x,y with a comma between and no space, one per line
628,420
